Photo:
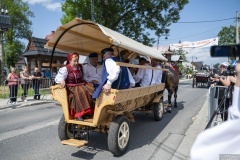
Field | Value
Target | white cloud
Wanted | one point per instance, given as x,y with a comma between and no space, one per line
53,6
48,4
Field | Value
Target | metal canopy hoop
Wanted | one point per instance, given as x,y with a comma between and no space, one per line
53,50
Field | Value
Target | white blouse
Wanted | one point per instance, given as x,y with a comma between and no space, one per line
62,74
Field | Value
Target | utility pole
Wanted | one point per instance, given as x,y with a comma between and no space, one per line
92,10
237,34
4,25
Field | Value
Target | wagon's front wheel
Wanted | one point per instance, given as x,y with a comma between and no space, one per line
119,135
65,130
158,110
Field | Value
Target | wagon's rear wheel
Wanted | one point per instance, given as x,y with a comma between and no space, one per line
119,135
158,110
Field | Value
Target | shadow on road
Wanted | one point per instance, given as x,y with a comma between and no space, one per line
142,132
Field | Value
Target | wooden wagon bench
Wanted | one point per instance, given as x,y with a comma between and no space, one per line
117,102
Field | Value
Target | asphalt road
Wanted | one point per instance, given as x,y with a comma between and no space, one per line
31,132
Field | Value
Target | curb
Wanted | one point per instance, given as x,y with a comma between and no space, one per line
25,104
199,123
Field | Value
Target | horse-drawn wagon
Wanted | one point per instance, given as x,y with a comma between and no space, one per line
201,79
112,112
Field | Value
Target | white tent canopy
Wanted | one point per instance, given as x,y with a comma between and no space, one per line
92,37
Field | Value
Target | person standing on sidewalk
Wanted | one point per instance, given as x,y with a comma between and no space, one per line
13,85
222,141
36,79
25,80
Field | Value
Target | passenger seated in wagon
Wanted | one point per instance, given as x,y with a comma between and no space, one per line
92,70
79,91
144,76
111,77
124,56
157,74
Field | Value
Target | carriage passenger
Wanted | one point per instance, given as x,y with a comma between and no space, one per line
124,56
79,91
93,71
157,74
143,76
111,76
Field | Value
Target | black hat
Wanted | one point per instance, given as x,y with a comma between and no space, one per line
105,50
93,54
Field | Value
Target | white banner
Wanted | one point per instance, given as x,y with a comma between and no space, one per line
197,44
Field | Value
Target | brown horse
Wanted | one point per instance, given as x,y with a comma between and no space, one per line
171,80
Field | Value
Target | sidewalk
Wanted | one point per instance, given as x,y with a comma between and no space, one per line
4,103
199,123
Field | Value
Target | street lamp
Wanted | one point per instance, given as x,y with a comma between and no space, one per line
4,25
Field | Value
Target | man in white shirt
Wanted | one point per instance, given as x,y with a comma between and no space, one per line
143,76
112,78
157,74
93,71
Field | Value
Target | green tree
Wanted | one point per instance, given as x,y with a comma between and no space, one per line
181,53
216,65
133,18
227,35
20,29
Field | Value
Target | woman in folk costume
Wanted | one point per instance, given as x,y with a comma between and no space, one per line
79,91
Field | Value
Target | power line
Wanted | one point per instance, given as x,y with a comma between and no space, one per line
209,21
196,34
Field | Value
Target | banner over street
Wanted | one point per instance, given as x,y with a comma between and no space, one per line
197,44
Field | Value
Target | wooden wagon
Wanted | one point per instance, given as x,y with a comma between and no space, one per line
112,112
201,79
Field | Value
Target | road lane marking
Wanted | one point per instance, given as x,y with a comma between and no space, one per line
26,129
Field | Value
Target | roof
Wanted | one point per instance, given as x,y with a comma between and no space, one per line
198,65
21,61
176,58
36,47
186,64
85,37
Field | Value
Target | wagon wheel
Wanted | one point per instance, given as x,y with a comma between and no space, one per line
119,135
158,110
65,130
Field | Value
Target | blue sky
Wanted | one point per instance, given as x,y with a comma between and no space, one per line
48,13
